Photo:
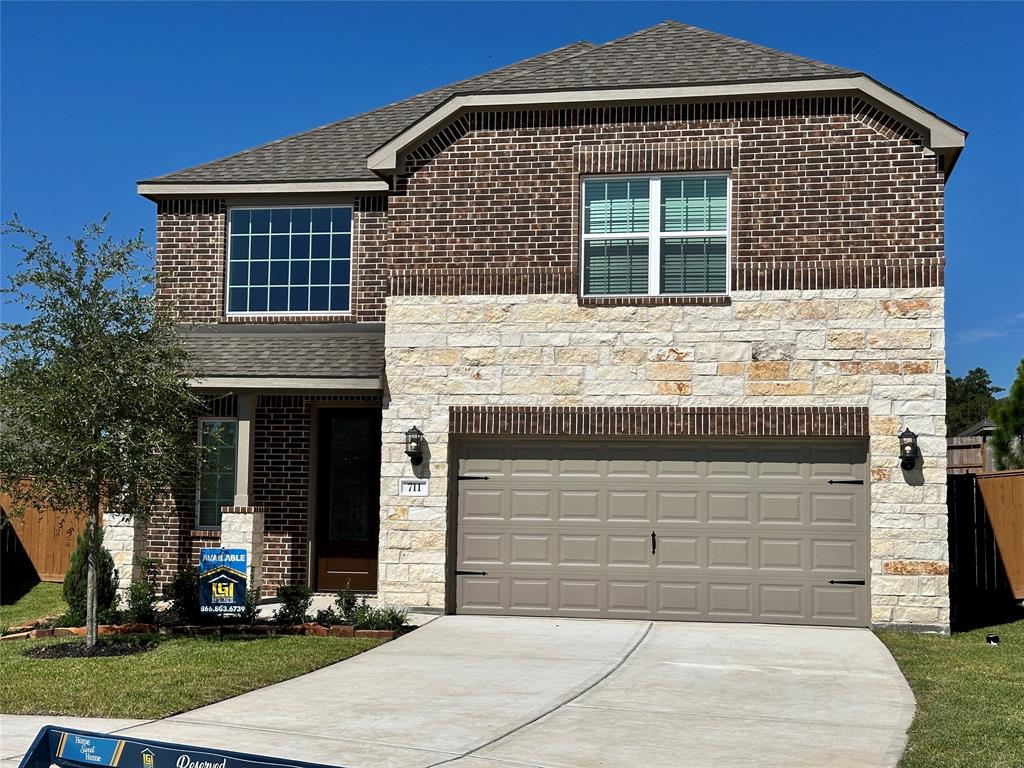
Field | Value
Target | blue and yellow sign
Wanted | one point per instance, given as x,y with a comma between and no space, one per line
222,580
67,748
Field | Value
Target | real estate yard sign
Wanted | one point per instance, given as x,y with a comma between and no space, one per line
222,580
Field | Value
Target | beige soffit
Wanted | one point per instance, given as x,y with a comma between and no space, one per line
286,383
939,135
151,188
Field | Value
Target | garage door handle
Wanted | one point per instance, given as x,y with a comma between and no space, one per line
859,582
471,573
846,482
654,542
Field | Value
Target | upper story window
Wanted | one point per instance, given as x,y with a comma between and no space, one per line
677,245
290,260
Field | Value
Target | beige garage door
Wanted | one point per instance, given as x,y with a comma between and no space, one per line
712,530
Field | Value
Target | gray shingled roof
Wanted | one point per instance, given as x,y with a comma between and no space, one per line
670,54
297,351
338,152
667,54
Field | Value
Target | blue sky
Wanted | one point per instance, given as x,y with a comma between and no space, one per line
96,96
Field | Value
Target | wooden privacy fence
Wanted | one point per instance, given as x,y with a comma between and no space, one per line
967,454
46,537
986,539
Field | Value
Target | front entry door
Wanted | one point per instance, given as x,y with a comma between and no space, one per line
347,498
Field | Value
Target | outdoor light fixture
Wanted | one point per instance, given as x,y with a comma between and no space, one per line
909,452
414,446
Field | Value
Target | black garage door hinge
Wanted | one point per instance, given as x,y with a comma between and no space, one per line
859,582
471,573
846,482
473,477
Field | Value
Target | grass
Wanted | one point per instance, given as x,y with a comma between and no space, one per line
970,697
181,674
44,599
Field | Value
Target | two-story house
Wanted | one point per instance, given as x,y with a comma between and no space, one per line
627,330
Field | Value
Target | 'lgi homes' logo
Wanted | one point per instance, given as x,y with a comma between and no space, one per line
148,758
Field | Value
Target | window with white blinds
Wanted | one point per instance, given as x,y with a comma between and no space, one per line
658,235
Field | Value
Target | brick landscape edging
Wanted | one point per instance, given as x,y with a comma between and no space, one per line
660,421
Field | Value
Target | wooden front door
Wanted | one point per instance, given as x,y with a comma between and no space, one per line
347,498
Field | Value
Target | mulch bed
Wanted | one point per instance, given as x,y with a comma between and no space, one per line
77,650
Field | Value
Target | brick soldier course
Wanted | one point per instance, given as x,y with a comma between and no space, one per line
466,271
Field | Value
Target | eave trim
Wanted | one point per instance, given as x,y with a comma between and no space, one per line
938,134
286,383
148,189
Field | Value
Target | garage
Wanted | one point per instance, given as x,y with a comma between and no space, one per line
771,531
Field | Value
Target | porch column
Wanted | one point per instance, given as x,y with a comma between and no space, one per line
243,461
241,525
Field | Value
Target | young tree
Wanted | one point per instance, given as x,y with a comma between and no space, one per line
968,399
95,409
1008,415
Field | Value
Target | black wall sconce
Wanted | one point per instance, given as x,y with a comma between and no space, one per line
414,446
909,452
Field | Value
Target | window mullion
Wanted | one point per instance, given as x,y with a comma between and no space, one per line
654,239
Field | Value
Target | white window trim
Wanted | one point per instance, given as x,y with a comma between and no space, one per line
289,313
199,478
653,234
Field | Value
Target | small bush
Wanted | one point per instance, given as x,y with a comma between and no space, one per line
142,594
76,581
295,601
383,617
253,595
326,617
346,604
183,594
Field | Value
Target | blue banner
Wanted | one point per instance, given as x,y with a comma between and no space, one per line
69,748
222,577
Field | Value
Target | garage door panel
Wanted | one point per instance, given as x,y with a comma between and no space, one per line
626,551
678,552
531,549
530,504
580,549
744,531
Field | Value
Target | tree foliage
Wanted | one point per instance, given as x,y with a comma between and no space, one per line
94,403
968,399
1008,415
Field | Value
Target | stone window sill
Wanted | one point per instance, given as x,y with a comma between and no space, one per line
654,301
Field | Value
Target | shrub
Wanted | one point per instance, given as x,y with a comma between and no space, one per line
253,595
326,617
346,604
142,594
295,601
75,583
383,617
183,594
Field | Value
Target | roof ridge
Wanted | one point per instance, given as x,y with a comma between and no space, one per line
750,44
350,118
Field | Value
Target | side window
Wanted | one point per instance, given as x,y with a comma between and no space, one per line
215,486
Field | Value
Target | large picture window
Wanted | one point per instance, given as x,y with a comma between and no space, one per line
218,442
656,236
290,260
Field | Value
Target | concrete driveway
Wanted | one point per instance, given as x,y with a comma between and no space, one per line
481,692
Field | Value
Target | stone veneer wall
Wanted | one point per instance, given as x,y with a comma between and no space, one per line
874,347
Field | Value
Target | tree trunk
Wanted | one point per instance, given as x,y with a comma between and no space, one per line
91,619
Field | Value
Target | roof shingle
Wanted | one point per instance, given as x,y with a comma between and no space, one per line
669,53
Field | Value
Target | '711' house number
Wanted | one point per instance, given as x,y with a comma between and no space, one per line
413,486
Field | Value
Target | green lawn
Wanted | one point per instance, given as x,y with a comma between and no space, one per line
182,673
44,599
970,697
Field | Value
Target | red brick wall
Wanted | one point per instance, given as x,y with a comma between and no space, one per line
190,243
815,181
